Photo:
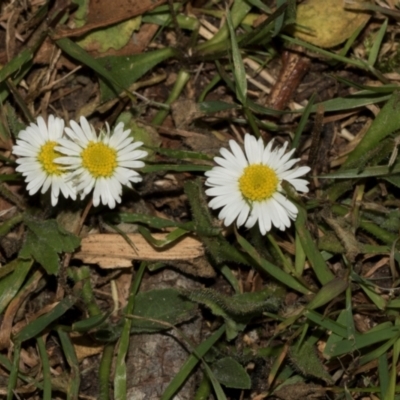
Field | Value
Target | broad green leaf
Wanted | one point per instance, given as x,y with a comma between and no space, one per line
141,133
231,374
237,310
239,306
45,240
165,305
306,361
115,36
328,292
127,70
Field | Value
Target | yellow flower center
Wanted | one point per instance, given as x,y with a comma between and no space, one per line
99,159
46,157
258,182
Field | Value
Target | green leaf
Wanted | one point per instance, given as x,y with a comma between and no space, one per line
239,72
89,323
317,262
237,310
277,273
72,360
385,123
240,9
151,221
191,363
115,36
306,361
328,292
164,305
376,46
41,323
215,244
10,284
171,237
127,70
231,374
45,239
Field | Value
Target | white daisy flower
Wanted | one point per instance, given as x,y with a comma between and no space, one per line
104,162
248,185
36,150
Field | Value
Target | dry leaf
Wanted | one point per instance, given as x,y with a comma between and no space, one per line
112,251
327,23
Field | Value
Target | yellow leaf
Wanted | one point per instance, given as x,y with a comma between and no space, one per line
326,23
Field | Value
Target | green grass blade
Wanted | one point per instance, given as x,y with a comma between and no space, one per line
271,269
300,257
191,363
45,368
327,323
330,55
378,353
153,222
385,123
174,168
11,284
239,10
239,72
75,51
171,237
393,377
367,172
373,55
182,154
317,262
41,323
12,380
180,83
216,385
72,360
105,371
383,371
327,293
120,387
302,122
361,341
356,100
